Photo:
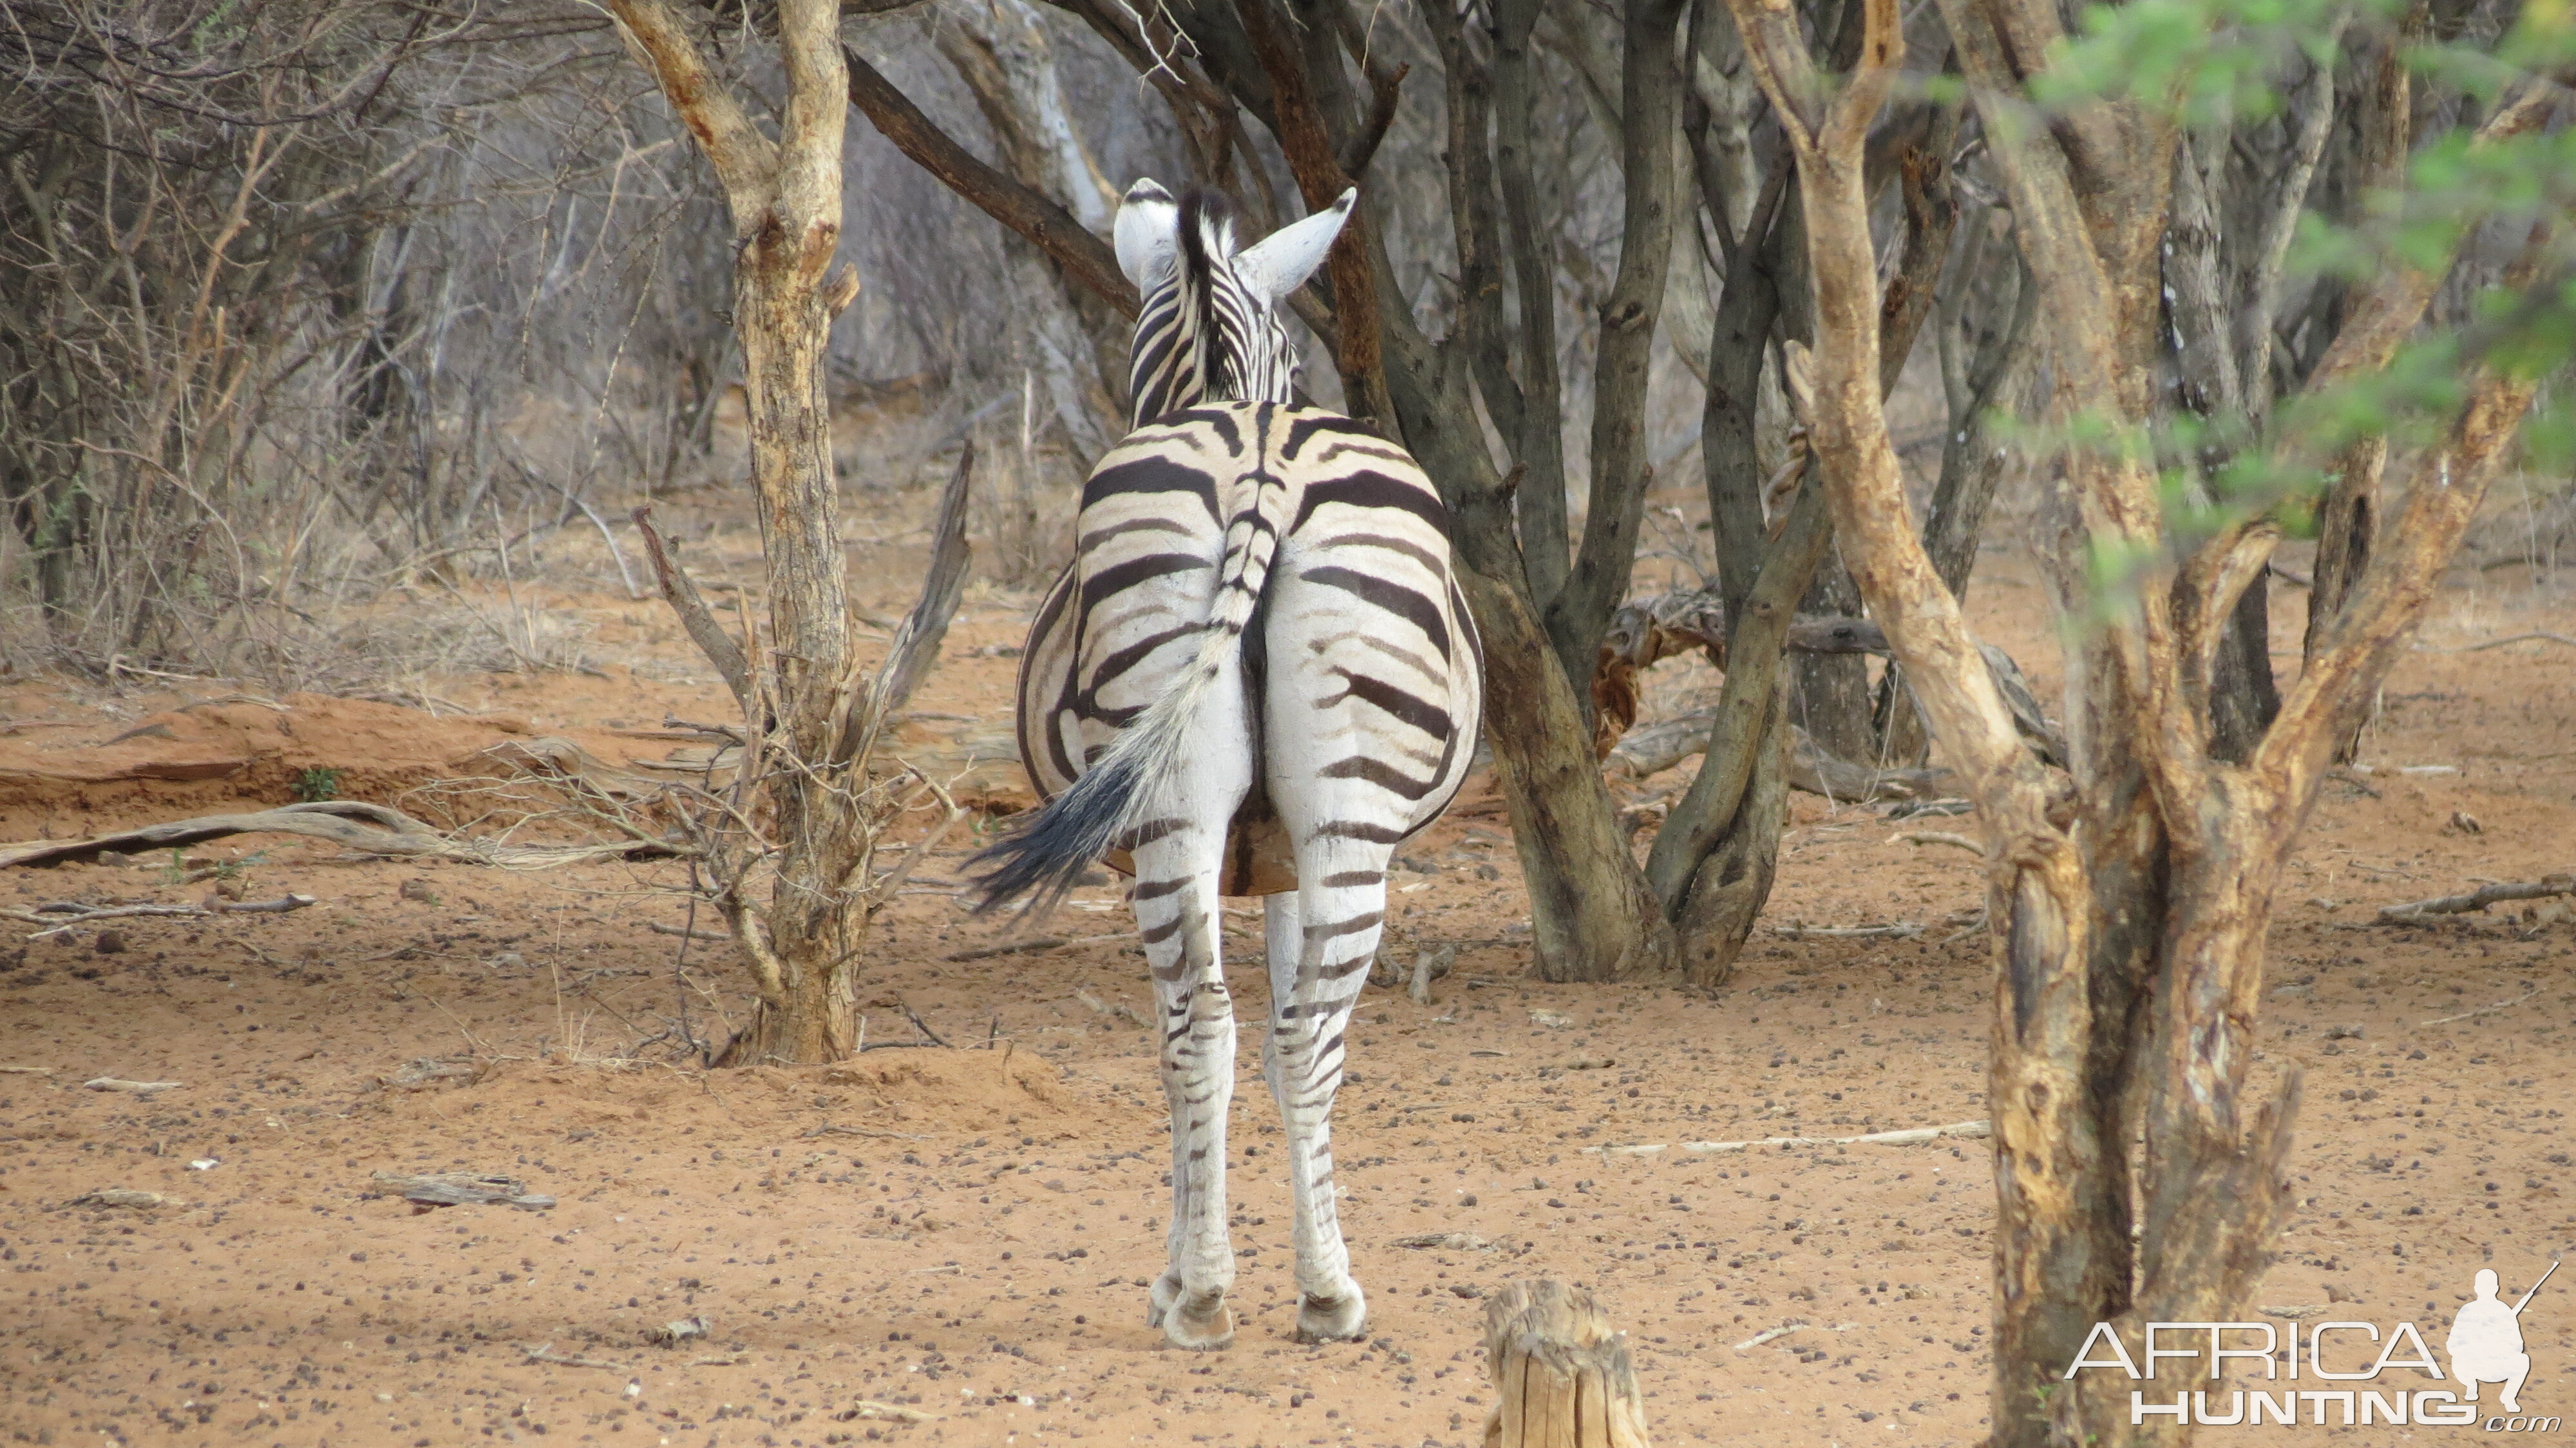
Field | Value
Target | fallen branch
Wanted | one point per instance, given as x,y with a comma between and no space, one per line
1099,1007
1893,930
1913,1136
678,1330
892,1412
1774,1334
2421,912
1012,947
1940,837
713,937
1653,748
1645,630
545,1353
919,1024
2538,636
370,829
117,1197
135,1088
2486,1010
79,915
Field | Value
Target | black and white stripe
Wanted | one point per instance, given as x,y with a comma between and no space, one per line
1257,677
1208,330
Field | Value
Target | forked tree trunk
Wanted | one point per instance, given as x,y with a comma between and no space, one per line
2128,912
1715,859
801,688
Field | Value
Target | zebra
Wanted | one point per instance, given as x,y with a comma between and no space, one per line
1257,677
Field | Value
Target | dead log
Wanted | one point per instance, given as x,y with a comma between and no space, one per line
1562,1378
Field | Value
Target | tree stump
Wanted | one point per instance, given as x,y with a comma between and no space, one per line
1562,1378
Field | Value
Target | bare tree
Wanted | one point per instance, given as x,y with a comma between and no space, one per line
2129,902
805,815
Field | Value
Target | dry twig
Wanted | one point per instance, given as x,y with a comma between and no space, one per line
2485,1010
1912,1136
2534,636
545,1353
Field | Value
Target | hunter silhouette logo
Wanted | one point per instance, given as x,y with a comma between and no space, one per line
2486,1341
2485,1346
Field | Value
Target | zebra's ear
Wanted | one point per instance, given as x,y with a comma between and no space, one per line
1147,233
1281,261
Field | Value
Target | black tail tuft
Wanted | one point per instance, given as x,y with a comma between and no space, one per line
1045,856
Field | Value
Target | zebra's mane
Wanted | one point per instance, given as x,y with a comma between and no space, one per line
1203,335
1213,294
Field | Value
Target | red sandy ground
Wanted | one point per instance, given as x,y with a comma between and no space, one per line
967,1232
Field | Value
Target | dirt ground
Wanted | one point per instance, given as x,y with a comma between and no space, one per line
964,1233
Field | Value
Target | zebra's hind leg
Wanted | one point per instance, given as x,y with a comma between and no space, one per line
1321,940
1178,911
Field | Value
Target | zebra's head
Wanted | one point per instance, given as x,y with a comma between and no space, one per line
1210,328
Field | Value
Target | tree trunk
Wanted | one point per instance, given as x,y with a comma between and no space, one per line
1536,437
1592,916
1974,371
1733,881
1830,692
1724,835
1650,101
801,690
2347,521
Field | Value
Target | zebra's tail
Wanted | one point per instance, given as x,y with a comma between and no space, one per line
1136,782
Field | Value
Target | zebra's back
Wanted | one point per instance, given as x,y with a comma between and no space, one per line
1361,662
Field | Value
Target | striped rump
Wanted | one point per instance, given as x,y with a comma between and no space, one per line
1279,551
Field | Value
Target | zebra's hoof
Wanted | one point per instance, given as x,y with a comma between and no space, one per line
1333,1319
1202,1324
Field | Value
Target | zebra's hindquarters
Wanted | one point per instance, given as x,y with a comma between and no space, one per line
1372,645
1375,693
1055,745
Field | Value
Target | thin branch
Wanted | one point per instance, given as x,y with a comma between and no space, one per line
1049,227
745,161
2389,310
701,625
1384,92
2536,636
2448,484
2262,303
